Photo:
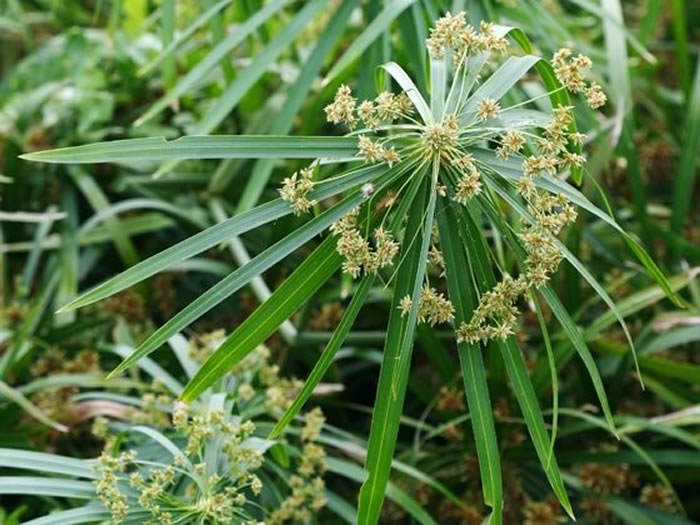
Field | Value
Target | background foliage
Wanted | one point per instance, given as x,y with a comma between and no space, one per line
79,72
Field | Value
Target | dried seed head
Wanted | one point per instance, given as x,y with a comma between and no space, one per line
487,109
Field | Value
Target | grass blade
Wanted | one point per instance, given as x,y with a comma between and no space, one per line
201,147
473,370
216,234
375,28
237,279
393,376
213,58
298,288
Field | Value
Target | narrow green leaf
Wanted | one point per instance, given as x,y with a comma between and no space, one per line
43,462
412,92
296,95
393,376
182,37
210,61
296,289
239,278
375,28
246,78
326,358
216,234
684,179
11,394
473,370
36,486
576,339
515,366
87,514
201,147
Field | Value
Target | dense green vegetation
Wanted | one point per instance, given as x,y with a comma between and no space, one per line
384,261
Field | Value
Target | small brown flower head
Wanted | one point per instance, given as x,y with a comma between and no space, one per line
441,137
542,513
389,107
405,305
468,186
436,258
342,109
367,112
511,142
606,479
434,307
451,399
487,109
577,138
658,496
469,41
355,249
571,71
595,96
390,156
295,190
445,34
370,150
374,152
313,423
385,249
489,40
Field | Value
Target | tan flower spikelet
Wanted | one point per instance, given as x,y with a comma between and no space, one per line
487,109
295,190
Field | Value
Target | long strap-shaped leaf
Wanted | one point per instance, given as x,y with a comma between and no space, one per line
341,332
169,49
515,366
579,266
88,514
246,78
499,83
216,234
240,277
326,358
412,92
37,486
212,58
296,95
396,362
201,147
375,28
298,288
43,462
565,320
473,370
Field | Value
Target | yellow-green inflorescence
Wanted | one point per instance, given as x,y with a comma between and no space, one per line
390,132
210,477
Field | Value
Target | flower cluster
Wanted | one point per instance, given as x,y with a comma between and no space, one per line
359,256
386,107
308,487
212,492
373,151
496,314
571,72
606,479
212,477
454,143
295,190
452,33
433,307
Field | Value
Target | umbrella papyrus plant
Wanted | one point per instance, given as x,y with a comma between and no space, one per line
430,180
